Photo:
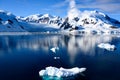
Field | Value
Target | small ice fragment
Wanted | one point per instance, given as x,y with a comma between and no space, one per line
54,49
61,72
56,57
107,46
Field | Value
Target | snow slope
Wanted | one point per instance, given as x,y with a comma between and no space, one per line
8,22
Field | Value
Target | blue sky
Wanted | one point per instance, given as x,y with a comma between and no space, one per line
59,7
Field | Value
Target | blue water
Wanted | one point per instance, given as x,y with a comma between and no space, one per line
23,56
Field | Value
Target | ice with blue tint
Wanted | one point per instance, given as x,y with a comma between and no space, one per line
54,49
61,72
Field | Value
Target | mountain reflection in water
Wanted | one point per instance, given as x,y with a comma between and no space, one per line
73,44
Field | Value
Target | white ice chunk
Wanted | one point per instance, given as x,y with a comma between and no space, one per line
107,46
54,49
61,72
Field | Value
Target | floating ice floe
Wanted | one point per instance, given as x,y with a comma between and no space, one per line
54,49
61,72
107,46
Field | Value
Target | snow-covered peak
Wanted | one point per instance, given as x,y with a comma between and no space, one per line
38,16
9,22
74,12
88,19
42,19
47,15
93,19
4,15
5,12
76,20
33,17
90,22
92,14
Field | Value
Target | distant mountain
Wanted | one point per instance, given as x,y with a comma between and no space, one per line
42,19
9,22
88,21
92,21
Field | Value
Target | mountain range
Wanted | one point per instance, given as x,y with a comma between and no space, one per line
86,21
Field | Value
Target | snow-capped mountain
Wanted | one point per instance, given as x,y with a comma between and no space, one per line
42,19
88,21
8,22
33,23
92,20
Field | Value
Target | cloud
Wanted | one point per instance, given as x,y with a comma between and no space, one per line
73,11
108,1
112,6
104,5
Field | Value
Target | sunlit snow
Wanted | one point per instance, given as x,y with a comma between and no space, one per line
61,72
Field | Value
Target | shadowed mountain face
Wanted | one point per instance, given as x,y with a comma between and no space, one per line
8,22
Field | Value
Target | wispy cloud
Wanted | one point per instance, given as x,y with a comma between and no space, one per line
103,5
73,11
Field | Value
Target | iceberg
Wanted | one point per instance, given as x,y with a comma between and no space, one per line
54,49
107,46
61,72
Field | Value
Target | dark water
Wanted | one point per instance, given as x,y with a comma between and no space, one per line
23,56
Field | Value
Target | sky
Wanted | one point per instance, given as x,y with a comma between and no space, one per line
59,7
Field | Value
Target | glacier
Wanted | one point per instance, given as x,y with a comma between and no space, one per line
61,72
